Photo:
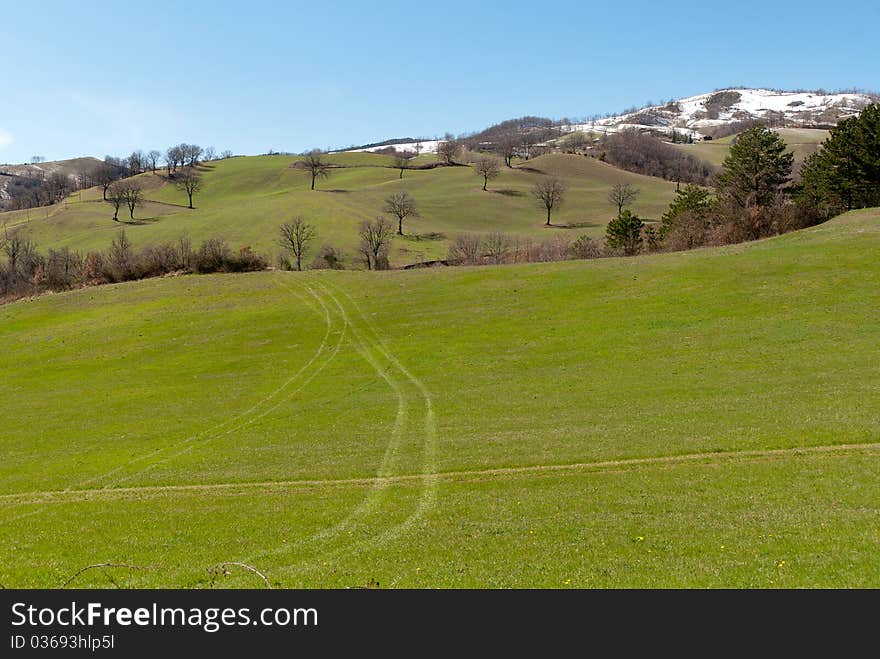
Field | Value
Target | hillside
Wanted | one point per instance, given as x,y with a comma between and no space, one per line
706,418
12,176
244,200
726,106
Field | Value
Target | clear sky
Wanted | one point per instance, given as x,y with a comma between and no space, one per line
96,78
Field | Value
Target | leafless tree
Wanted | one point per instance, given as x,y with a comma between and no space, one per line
209,154
487,167
497,247
376,237
116,195
36,160
402,206
295,238
153,159
465,249
226,155
507,148
316,165
134,197
448,149
189,181
622,195
550,193
401,163
137,162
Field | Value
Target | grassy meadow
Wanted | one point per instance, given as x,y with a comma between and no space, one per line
244,200
707,418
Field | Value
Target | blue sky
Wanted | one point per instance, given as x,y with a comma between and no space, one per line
96,78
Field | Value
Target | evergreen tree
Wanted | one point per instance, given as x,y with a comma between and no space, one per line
756,169
625,232
692,198
845,173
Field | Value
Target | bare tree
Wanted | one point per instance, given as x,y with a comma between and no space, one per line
465,249
550,193
316,165
376,237
402,206
295,238
401,163
487,167
448,149
134,197
497,247
189,181
116,195
622,195
192,152
209,154
507,147
153,159
137,162
226,155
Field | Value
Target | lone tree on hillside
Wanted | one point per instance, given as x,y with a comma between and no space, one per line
134,197
402,206
104,175
316,165
401,163
508,146
153,158
116,195
487,167
756,169
625,232
448,150
295,238
622,195
189,181
550,193
376,237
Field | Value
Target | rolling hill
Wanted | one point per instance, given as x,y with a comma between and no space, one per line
245,199
706,418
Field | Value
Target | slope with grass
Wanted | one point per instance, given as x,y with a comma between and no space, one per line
803,142
244,200
707,418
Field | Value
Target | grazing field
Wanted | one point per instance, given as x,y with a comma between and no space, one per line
707,418
803,142
246,199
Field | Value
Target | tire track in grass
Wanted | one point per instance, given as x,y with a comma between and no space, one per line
428,496
223,424
193,438
244,422
385,472
709,458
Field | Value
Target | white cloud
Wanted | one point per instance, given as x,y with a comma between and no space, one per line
5,138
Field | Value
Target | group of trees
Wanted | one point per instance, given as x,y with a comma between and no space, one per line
28,272
845,173
645,154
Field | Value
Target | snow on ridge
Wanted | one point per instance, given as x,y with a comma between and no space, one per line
729,105
427,146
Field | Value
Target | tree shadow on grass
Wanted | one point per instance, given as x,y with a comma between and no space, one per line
336,191
140,221
576,225
507,192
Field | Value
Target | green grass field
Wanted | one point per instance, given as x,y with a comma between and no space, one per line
246,199
803,142
707,419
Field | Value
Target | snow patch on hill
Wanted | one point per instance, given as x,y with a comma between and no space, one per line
688,115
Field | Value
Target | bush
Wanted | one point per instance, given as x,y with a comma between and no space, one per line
329,258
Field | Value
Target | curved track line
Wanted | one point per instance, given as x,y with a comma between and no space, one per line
475,474
428,496
223,424
245,422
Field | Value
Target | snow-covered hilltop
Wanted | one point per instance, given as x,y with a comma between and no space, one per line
776,108
694,117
